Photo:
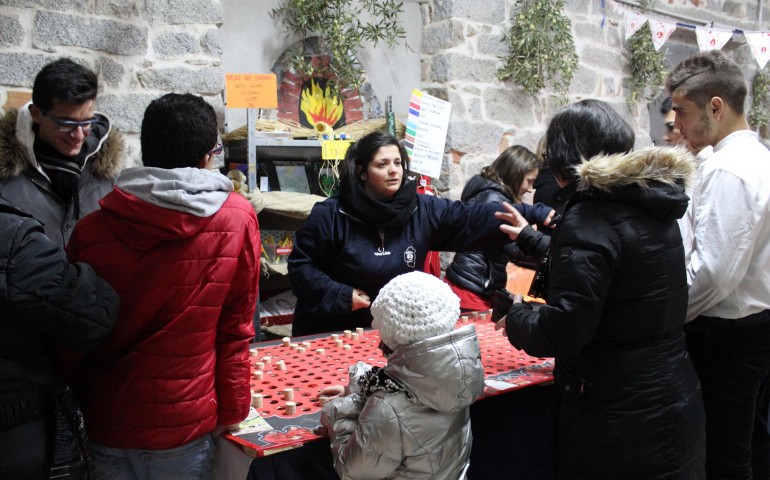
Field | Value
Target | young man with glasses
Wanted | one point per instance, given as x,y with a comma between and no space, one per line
59,156
182,251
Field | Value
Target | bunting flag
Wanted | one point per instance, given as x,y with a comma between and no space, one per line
709,38
634,21
661,30
712,38
760,46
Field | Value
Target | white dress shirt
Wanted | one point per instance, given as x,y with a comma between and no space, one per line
728,267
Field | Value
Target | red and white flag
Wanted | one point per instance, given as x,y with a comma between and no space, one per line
661,30
712,38
760,46
634,21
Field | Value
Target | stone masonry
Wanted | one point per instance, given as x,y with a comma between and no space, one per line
142,49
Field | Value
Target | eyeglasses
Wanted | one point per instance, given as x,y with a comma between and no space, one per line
217,150
670,127
70,126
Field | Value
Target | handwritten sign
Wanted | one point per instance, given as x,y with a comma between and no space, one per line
334,149
426,128
251,90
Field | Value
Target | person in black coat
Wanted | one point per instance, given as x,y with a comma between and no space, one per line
376,228
616,292
44,301
474,276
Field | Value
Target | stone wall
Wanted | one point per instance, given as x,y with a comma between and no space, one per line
462,43
140,49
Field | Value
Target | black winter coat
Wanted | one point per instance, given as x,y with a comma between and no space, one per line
44,301
616,305
334,252
483,272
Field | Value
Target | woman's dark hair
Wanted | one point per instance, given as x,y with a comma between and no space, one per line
510,167
362,152
583,130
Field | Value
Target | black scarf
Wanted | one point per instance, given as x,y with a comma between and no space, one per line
64,171
393,213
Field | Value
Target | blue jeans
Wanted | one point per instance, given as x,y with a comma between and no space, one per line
192,461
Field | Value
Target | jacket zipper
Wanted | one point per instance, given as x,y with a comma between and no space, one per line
382,240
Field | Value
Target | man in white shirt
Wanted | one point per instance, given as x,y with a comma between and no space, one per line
728,334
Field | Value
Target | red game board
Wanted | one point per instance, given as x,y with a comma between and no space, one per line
312,363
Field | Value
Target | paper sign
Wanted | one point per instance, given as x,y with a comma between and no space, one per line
334,149
251,90
712,38
661,30
760,46
426,127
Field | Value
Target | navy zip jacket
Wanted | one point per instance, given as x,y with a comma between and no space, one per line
335,252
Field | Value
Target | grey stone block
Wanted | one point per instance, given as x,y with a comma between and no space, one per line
173,44
441,36
455,66
585,81
110,71
19,69
203,81
11,31
474,137
492,44
126,111
181,12
116,8
210,43
509,105
491,11
56,29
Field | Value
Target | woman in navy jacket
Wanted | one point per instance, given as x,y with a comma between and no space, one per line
376,228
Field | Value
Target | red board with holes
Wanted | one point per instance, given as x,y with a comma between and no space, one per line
308,364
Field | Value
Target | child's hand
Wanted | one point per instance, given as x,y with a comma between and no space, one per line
334,391
360,299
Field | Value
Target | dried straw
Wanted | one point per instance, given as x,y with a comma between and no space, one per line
353,130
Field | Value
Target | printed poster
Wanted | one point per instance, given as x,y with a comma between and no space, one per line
426,128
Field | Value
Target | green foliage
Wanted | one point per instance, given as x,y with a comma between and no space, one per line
648,67
759,116
341,30
541,48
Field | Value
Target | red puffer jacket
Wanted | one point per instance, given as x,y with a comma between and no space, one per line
176,364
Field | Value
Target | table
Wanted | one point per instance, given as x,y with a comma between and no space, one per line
507,418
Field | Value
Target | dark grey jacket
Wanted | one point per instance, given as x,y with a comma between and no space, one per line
23,182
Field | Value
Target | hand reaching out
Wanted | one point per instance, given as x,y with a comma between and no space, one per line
516,220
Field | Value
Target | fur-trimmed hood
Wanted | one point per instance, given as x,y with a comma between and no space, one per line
16,146
667,165
653,179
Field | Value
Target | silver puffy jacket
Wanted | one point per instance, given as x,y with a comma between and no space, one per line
389,437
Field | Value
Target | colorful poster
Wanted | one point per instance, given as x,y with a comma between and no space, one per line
426,128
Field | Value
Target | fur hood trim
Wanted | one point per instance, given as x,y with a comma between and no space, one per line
14,154
669,165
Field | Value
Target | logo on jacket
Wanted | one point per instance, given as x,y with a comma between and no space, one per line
409,256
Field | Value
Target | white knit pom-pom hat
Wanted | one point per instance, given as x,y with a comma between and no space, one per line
412,307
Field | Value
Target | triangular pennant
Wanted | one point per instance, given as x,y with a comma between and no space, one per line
634,21
760,46
615,6
661,30
712,38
